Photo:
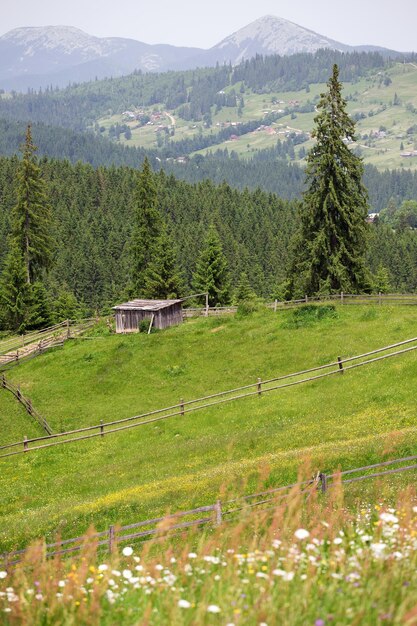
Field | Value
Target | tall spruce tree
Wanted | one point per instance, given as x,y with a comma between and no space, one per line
147,229
162,276
329,253
211,274
15,290
31,218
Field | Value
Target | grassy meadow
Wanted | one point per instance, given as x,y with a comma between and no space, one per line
364,416
369,97
310,562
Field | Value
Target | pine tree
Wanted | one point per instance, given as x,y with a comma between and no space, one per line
244,291
162,276
146,230
211,274
31,228
14,290
329,253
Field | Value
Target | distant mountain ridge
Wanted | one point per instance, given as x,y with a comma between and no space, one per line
34,57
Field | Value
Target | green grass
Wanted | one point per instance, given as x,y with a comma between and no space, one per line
182,462
368,96
15,422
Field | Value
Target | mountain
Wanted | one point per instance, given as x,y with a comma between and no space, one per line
268,35
36,57
40,56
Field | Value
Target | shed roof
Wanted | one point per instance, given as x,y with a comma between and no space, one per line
145,305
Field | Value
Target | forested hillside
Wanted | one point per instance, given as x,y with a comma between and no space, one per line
92,221
79,106
265,170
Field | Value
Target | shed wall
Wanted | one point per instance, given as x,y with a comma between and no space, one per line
128,320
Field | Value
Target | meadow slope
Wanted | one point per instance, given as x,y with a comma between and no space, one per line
364,416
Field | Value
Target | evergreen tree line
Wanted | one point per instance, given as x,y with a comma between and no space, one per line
265,169
200,237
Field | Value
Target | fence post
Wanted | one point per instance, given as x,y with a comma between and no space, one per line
218,513
306,298
259,386
25,444
341,297
380,298
339,360
40,346
275,305
207,305
17,355
182,411
323,482
112,539
68,329
101,428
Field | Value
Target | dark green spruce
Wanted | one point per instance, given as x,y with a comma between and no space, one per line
211,274
31,218
147,229
329,254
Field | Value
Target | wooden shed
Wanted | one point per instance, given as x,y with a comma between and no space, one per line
162,313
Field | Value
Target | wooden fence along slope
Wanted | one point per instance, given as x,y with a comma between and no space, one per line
213,514
251,390
17,349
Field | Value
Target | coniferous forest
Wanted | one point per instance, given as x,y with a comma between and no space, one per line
92,220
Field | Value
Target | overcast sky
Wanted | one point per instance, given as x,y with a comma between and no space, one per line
203,23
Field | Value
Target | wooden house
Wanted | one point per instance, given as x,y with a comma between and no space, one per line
159,313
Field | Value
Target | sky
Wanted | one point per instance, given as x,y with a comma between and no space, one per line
203,23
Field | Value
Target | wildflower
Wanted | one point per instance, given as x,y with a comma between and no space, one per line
184,604
213,608
192,555
378,549
128,551
337,541
103,567
127,573
319,622
301,534
388,517
61,583
3,574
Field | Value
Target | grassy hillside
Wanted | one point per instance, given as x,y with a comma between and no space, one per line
184,461
384,105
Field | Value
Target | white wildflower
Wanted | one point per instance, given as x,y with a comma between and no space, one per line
127,573
184,604
337,541
192,555
103,567
3,574
213,608
301,534
61,583
128,551
389,518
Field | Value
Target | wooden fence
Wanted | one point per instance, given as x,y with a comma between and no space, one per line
215,514
27,403
25,347
342,298
256,389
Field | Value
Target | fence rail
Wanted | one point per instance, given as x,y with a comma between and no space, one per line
37,343
27,403
343,298
219,511
259,388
